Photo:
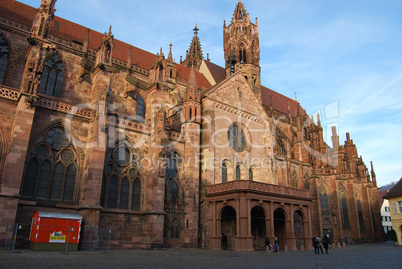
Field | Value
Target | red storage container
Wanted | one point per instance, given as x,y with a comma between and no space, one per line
53,230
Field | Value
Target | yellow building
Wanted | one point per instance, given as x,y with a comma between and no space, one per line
394,196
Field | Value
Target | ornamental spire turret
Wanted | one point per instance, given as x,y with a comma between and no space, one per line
43,18
194,55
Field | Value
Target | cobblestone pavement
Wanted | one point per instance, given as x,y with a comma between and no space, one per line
379,255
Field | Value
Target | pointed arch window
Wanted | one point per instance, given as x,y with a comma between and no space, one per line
344,207
51,169
52,79
172,187
140,111
121,183
323,192
237,137
3,58
224,173
238,172
136,195
306,182
175,229
359,210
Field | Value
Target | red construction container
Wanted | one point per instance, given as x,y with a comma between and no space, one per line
53,230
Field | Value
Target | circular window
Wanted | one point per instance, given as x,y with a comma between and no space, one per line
237,138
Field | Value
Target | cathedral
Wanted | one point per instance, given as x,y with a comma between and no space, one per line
166,154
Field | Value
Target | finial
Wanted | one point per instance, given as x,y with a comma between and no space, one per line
170,57
110,30
195,29
318,120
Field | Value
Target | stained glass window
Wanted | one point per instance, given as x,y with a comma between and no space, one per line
3,58
124,192
50,171
224,173
344,207
237,138
52,79
250,174
238,172
140,111
120,172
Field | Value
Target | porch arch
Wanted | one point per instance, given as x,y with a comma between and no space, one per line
228,225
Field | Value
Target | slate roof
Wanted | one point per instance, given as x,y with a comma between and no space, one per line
395,191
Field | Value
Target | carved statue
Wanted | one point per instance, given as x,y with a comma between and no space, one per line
36,84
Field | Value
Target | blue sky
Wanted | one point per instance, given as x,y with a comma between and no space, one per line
342,57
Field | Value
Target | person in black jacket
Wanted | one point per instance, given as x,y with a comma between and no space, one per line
276,244
315,245
326,242
268,244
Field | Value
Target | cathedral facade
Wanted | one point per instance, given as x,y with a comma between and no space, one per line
165,153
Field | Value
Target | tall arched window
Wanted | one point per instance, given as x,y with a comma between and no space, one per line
120,172
140,111
238,172
3,58
124,191
306,182
324,199
359,210
136,195
224,173
51,167
344,207
52,79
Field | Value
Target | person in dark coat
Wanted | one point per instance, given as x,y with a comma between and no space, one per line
326,242
224,241
319,244
315,245
276,244
268,244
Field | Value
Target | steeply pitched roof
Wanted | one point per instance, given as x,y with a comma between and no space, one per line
395,191
381,195
69,31
217,72
279,102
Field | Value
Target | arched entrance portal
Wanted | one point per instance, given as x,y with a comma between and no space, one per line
326,228
280,226
299,229
228,225
258,229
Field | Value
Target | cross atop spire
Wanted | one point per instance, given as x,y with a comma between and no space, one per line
196,29
194,56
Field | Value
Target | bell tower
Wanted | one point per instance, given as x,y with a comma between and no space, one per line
242,48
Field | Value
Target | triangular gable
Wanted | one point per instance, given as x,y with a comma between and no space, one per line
235,91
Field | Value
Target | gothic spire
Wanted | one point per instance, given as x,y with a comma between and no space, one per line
194,56
240,13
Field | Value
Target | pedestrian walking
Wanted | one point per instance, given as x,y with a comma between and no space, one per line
326,243
314,239
276,244
268,245
319,244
